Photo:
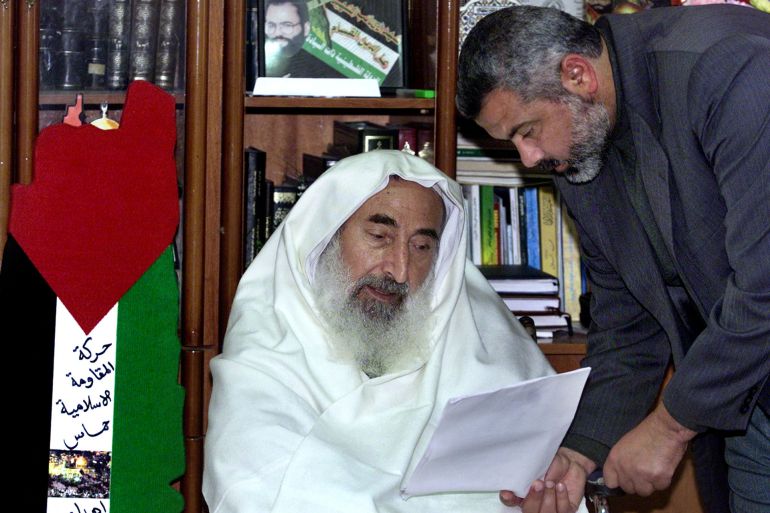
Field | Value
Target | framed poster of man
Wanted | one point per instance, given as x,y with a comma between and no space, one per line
334,39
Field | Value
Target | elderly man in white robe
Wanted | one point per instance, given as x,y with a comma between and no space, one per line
351,329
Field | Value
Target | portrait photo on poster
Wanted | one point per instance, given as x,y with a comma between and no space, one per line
333,39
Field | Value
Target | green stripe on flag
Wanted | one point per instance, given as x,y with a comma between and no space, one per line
147,443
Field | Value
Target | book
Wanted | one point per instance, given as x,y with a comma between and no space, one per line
50,43
118,33
487,223
472,194
314,165
96,31
523,251
571,280
253,190
487,154
529,304
547,222
519,279
267,212
72,55
145,17
169,42
500,168
550,320
515,226
532,227
284,198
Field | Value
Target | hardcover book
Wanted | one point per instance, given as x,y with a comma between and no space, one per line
145,16
118,33
284,198
254,186
169,42
519,279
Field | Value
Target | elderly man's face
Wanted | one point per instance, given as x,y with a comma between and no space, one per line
390,243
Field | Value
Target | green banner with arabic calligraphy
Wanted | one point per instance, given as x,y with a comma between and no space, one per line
355,42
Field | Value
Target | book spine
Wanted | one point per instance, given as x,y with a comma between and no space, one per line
96,43
475,233
118,40
533,228
72,55
549,251
513,193
145,16
498,232
267,212
523,250
250,208
50,44
284,198
167,56
254,184
571,272
488,239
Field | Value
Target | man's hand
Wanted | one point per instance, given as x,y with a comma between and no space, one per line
645,459
562,489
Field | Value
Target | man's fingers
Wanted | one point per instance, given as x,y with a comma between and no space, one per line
563,503
533,502
509,498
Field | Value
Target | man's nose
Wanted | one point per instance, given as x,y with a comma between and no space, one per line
529,152
396,264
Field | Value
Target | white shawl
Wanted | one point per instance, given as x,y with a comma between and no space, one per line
293,430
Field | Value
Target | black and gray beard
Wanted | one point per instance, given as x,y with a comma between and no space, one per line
590,130
380,337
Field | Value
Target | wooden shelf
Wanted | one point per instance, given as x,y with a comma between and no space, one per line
92,97
563,356
296,102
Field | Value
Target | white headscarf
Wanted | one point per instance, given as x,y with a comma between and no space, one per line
292,429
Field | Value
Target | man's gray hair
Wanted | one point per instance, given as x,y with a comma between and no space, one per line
520,49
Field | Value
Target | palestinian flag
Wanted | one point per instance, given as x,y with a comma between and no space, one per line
89,312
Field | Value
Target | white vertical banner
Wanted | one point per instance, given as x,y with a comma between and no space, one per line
80,457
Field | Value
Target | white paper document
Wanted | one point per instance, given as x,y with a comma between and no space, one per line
501,440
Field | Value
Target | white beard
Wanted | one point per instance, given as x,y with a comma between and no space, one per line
380,340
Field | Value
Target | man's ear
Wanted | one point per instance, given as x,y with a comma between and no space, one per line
578,76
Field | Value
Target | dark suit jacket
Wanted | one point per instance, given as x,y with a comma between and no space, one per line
696,88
